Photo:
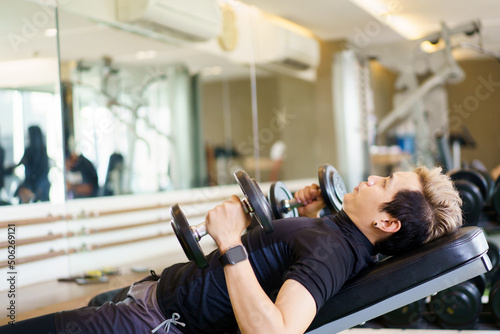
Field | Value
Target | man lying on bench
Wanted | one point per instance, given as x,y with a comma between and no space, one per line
288,275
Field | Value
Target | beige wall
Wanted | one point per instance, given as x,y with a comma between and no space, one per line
310,134
239,103
382,83
325,140
475,103
296,111
296,98
240,106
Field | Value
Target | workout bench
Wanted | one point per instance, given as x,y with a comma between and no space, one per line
400,280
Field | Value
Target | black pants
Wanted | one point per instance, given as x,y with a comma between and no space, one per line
44,324
118,295
114,296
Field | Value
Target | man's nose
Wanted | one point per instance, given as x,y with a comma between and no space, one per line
372,179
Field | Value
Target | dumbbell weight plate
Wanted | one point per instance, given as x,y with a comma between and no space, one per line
457,307
186,237
495,199
489,182
472,200
278,192
332,187
473,176
494,301
494,255
494,296
405,316
261,207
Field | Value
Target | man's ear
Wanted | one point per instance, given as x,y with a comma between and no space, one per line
392,225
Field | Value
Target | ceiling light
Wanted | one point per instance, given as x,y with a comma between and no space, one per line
51,32
391,14
429,47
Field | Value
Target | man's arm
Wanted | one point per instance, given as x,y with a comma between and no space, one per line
82,189
293,311
255,312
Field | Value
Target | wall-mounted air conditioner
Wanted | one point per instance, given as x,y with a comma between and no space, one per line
195,20
282,43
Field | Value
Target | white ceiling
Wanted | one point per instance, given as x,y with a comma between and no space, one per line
327,19
343,19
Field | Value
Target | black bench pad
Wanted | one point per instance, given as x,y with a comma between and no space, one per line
397,274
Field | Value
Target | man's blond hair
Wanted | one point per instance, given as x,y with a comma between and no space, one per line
444,199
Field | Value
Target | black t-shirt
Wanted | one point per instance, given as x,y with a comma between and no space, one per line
319,253
88,174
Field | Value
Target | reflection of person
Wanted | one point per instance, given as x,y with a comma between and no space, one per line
113,184
81,176
2,168
2,174
35,186
280,280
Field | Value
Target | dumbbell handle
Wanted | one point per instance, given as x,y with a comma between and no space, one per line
200,230
288,205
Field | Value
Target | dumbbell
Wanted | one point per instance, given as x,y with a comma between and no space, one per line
473,188
495,197
459,307
494,256
254,203
332,190
407,316
494,297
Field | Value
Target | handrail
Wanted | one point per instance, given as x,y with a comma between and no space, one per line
34,258
95,213
33,221
50,237
123,227
89,248
89,214
125,242
36,240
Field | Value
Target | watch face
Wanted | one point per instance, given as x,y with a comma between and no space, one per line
236,254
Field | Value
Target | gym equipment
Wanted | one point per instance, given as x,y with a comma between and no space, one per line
490,184
494,254
254,202
405,278
494,297
332,190
472,201
473,176
479,166
459,307
406,316
495,198
473,189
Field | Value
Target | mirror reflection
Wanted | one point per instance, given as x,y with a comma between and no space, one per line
142,114
30,134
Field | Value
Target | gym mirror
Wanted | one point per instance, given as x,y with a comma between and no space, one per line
31,160
146,113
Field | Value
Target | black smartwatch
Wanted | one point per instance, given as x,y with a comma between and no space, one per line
234,255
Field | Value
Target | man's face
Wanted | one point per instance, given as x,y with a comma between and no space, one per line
365,200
